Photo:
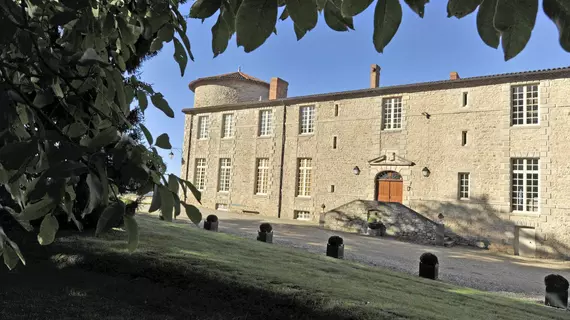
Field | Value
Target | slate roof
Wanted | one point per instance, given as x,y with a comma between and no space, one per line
226,76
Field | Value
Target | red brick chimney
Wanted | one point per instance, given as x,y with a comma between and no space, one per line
374,76
278,89
453,75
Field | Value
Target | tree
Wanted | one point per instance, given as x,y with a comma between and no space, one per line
70,99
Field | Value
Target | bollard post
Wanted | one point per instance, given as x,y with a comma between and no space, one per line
211,223
335,247
429,266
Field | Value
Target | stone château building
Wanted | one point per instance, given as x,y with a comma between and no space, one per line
490,153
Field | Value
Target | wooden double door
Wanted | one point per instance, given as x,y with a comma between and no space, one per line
390,187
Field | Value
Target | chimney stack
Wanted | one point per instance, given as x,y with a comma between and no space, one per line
374,76
453,75
278,89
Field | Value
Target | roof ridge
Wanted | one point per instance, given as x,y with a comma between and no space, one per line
237,75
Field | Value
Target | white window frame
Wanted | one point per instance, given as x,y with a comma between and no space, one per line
302,215
304,177
203,127
522,199
392,113
227,125
464,190
200,174
225,175
262,176
222,207
307,119
265,123
525,105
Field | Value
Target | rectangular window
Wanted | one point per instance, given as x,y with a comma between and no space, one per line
203,127
334,142
465,99
524,105
222,206
307,119
463,138
227,125
303,215
304,177
225,175
332,188
392,113
524,192
463,185
262,180
265,123
200,174
336,110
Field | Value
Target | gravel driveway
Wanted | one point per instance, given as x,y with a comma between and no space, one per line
479,269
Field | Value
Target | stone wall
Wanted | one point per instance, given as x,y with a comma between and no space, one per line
228,92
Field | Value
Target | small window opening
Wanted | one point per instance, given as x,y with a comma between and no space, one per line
464,99
332,188
464,138
336,110
334,142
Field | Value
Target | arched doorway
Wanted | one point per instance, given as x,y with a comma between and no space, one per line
389,187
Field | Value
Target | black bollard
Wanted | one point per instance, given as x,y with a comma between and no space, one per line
335,247
265,233
556,291
211,223
429,266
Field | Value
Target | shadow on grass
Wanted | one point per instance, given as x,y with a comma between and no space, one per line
66,280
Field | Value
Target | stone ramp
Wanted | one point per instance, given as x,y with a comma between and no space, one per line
400,221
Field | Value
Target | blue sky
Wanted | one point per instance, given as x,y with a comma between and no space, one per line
328,61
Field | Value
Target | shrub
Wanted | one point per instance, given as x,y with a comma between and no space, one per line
212,218
429,259
265,227
335,241
556,282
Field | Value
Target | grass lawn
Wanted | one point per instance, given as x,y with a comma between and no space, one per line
181,272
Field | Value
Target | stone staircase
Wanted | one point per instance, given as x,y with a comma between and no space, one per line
400,221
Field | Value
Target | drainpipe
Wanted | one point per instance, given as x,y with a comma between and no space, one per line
283,138
188,155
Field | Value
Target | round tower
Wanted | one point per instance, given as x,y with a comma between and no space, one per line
228,88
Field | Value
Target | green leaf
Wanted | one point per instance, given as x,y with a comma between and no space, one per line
176,205
90,57
143,101
303,13
156,45
321,4
197,194
57,89
155,204
186,43
461,8
104,138
108,24
120,89
173,184
75,130
559,12
255,21
485,24
127,35
48,229
418,6
299,33
387,19
351,8
515,21
180,56
38,209
163,141
109,217
159,102
334,18
133,232
193,213
284,15
147,134
166,33
202,9
221,34
43,98
166,203
10,257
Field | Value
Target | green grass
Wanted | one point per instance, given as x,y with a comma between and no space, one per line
188,273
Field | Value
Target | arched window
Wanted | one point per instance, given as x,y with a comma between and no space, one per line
389,175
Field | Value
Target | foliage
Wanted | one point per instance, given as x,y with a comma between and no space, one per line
265,227
72,109
335,241
505,22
